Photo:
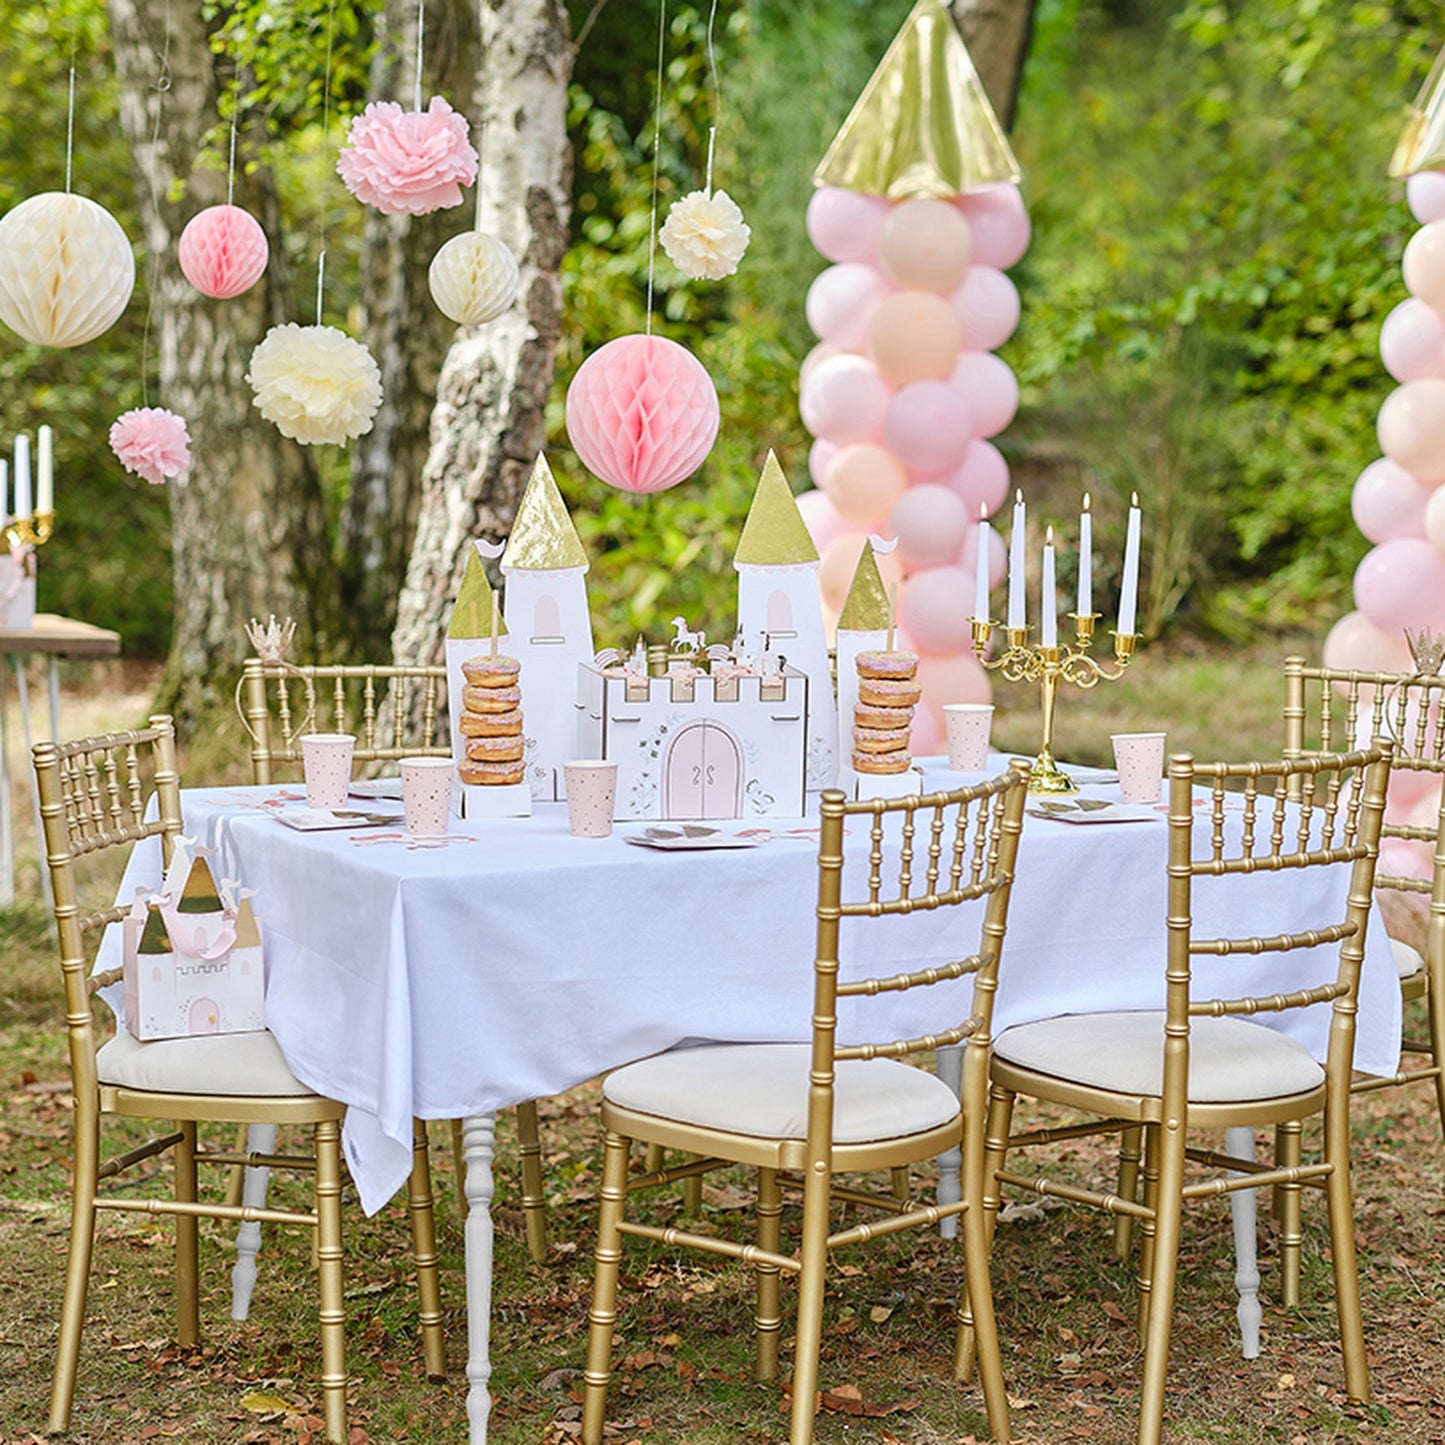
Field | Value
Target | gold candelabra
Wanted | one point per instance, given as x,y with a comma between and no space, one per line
32,531
1048,666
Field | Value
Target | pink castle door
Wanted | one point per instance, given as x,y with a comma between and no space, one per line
703,773
205,1016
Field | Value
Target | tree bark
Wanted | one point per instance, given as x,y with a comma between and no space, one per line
248,522
997,34
405,332
489,420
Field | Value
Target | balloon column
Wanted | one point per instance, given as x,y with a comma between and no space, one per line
903,393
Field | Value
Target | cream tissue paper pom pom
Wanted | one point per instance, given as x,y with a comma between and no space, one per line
705,235
315,383
152,442
408,162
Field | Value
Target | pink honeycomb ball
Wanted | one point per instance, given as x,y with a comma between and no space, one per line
223,251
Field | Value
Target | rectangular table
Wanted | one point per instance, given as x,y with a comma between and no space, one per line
453,981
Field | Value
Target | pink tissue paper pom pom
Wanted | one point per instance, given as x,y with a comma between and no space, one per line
408,162
152,442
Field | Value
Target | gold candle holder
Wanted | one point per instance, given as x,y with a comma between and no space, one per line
1048,666
32,531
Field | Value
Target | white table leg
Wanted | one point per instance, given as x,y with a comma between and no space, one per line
1239,1143
949,1065
23,687
260,1139
478,1142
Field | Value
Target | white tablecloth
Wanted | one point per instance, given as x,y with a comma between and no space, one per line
455,981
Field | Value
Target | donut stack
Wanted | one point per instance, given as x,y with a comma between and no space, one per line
887,692
491,721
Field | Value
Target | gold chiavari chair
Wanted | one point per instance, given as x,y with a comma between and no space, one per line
1203,1062
94,796
394,712
824,1108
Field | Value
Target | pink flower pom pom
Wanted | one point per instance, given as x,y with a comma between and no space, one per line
408,163
152,442
223,251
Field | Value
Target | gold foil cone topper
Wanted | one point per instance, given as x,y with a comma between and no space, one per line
866,608
472,616
923,125
543,538
1421,146
774,534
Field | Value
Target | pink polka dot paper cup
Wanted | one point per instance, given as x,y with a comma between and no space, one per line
968,724
326,760
591,796
426,795
1140,759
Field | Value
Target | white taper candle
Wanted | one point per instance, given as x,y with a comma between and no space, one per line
45,470
1017,566
1129,592
980,566
1048,601
22,475
1086,560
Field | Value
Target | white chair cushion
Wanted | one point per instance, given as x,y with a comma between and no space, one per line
1407,958
762,1089
1230,1059
226,1064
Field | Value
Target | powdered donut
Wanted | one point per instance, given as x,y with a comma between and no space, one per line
491,774
491,699
877,663
884,692
883,717
881,762
494,750
487,671
880,740
490,724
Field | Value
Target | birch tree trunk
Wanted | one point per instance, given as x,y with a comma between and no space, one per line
403,329
248,524
997,33
488,423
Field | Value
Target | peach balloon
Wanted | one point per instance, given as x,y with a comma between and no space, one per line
936,606
1411,428
913,336
864,482
1412,341
1355,642
840,302
819,455
987,307
930,523
981,479
844,225
845,400
1424,264
822,519
928,426
999,222
959,678
991,388
1388,502
1401,583
1425,195
838,563
925,245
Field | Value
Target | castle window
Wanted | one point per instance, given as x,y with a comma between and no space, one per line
546,621
156,974
780,615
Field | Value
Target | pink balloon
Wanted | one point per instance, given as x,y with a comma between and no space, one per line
1402,584
925,738
820,353
822,519
991,388
930,523
1434,519
841,301
819,455
838,563
1411,427
845,400
642,413
1412,341
1424,264
981,479
929,426
844,225
1388,502
1425,195
936,606
1355,642
1402,858
999,222
959,678
223,251
913,336
997,555
987,307
865,482
925,245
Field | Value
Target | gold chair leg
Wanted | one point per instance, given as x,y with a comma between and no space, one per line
692,1191
812,1276
424,1252
1168,1207
1148,1227
1342,1247
652,1158
1435,1014
602,1317
77,1266
459,1167
188,1299
769,1236
534,1201
995,1150
328,1278
1288,1140
1130,1145
902,1185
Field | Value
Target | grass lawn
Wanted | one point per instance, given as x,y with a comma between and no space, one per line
1065,1305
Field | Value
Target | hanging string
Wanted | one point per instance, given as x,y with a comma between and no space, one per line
231,163
484,39
325,162
420,31
716,97
70,128
161,85
656,158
